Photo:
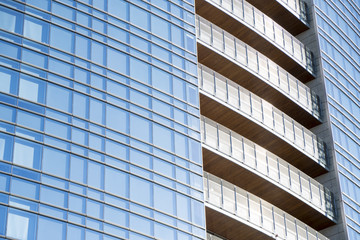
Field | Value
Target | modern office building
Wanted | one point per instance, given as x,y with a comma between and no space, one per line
179,119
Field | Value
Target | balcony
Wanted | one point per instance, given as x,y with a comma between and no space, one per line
242,111
248,216
290,14
235,159
255,72
250,25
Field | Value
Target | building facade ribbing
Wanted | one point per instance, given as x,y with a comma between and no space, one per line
205,119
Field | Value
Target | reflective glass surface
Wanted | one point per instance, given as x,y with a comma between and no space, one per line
338,31
94,94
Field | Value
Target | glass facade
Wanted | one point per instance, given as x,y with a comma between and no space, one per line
94,94
338,32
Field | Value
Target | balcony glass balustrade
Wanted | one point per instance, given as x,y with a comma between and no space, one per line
267,165
252,210
268,28
258,64
260,111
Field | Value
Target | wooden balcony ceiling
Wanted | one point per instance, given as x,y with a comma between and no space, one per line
230,228
252,38
249,81
281,15
251,182
258,134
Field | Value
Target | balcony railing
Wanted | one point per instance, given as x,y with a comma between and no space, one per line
252,210
258,64
297,7
260,111
267,165
270,30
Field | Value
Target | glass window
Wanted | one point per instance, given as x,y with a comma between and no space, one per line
51,229
79,136
140,98
140,191
164,199
116,149
183,207
58,97
3,215
78,169
116,216
27,154
76,203
179,88
63,11
24,188
117,61
55,162
36,29
141,225
94,209
197,210
96,142
43,4
117,33
97,111
161,80
61,67
9,50
140,128
62,39
95,175
21,225
75,232
117,89
30,120
116,182
118,8
9,81
144,74
31,89
181,148
53,196
98,53
11,21
139,17
34,58
82,47
163,232
190,42
163,137
81,105
177,35
6,145
117,119
192,95
160,27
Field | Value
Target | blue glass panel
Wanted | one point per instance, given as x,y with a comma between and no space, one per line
163,137
117,119
140,128
116,182
10,50
75,233
6,145
144,74
95,175
31,89
139,17
3,215
164,199
51,229
116,216
117,61
76,203
53,196
58,97
98,53
55,162
97,111
24,188
36,30
21,225
94,209
62,39
142,225
160,27
27,154
9,81
10,20
4,182
43,4
163,232
141,191
118,9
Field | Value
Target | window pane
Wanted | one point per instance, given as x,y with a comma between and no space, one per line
95,175
116,182
9,81
164,199
31,89
55,162
78,169
118,8
160,27
21,225
98,53
27,154
139,17
58,97
62,39
36,30
141,224
50,229
142,75
163,137
140,190
117,61
81,105
53,196
161,80
140,128
82,47
117,119
11,20
97,110
116,216
24,188
75,232
6,145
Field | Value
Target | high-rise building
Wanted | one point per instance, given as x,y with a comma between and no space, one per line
179,119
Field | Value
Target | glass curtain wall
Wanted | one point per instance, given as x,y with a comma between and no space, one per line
338,32
93,96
